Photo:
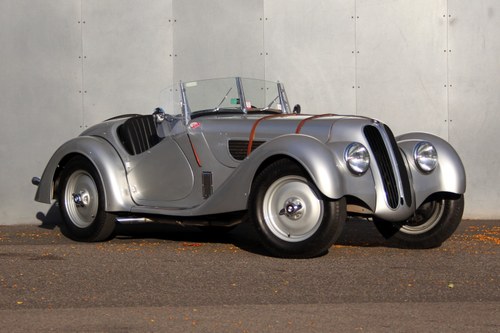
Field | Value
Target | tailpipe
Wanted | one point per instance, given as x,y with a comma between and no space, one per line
133,220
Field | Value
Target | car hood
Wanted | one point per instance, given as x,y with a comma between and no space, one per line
228,136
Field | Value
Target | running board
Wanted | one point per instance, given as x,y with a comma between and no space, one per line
142,220
191,223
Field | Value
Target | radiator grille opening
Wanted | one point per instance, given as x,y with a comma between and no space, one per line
383,161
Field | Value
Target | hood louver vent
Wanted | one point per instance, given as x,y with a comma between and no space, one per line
238,148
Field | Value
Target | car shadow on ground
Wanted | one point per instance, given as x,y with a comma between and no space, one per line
356,233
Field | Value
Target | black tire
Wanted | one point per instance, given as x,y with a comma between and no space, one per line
433,223
312,223
82,202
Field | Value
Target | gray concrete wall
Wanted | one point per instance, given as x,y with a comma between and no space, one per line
429,65
65,65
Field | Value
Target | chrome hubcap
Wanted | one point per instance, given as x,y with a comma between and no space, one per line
291,209
81,199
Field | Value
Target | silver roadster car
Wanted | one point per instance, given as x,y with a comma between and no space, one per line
233,149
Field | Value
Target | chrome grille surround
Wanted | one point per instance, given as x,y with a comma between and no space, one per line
392,170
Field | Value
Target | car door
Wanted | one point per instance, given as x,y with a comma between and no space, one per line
161,175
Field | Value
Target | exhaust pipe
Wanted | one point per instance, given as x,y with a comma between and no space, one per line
132,220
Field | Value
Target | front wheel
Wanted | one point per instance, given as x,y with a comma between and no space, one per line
81,200
433,223
292,217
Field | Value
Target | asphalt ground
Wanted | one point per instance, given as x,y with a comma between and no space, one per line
160,278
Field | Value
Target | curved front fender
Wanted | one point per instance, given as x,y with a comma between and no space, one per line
449,176
313,155
105,159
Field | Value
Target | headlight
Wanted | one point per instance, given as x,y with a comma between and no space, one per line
425,156
357,158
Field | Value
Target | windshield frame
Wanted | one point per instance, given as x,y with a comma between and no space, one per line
244,105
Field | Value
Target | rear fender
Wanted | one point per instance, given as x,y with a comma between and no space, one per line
105,159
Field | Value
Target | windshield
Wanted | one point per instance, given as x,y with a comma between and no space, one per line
262,94
213,95
232,95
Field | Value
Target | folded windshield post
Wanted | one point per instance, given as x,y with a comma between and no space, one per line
283,98
186,112
241,94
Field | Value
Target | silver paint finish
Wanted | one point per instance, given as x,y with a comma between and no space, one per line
449,175
106,161
231,194
160,175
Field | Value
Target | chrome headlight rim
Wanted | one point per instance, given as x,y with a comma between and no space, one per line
425,156
357,158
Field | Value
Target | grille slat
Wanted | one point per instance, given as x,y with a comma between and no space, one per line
401,167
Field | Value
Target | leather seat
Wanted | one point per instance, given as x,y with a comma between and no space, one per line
138,134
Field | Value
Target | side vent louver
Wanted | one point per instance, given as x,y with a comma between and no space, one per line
206,182
238,148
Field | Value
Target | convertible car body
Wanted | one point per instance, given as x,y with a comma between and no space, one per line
235,148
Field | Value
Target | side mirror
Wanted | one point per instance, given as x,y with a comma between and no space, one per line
296,109
159,115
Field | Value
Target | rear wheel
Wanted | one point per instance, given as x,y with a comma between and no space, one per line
292,217
81,200
433,223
